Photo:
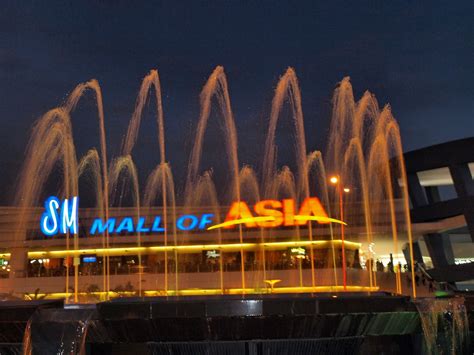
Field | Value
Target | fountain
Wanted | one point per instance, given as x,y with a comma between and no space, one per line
445,325
193,248
363,142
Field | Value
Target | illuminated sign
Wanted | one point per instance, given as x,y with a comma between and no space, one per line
63,217
274,213
60,217
212,254
185,222
89,259
298,252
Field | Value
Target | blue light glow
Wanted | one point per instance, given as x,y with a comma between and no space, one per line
49,219
125,225
140,228
68,215
205,220
181,223
156,225
99,227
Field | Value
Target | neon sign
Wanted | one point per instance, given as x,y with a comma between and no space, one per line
274,213
63,217
185,222
62,221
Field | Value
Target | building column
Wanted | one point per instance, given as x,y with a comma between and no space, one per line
464,185
417,256
415,190
440,249
432,193
18,262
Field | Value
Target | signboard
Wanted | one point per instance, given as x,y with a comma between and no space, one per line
89,259
62,217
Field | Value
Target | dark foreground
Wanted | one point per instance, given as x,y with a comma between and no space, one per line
283,324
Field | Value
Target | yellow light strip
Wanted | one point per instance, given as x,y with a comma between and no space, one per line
316,243
269,218
213,291
318,219
191,248
242,221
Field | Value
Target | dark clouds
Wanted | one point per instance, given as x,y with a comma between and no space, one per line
417,56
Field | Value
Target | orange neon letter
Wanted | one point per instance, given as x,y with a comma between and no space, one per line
239,210
289,212
311,206
268,208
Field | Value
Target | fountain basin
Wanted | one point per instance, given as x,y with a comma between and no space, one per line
351,323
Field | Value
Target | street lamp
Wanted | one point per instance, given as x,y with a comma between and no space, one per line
336,180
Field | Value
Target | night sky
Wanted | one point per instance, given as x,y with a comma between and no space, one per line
417,56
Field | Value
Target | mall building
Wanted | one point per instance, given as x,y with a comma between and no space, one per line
441,186
157,253
197,258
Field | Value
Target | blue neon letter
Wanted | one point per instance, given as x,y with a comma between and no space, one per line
156,225
69,215
205,220
140,228
49,219
181,225
99,226
126,224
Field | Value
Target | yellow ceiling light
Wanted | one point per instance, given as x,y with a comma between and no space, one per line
213,291
190,248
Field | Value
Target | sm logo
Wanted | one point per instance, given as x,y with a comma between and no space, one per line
60,217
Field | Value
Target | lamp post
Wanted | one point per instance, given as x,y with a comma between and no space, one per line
336,180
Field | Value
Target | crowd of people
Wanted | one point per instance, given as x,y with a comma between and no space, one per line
421,277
